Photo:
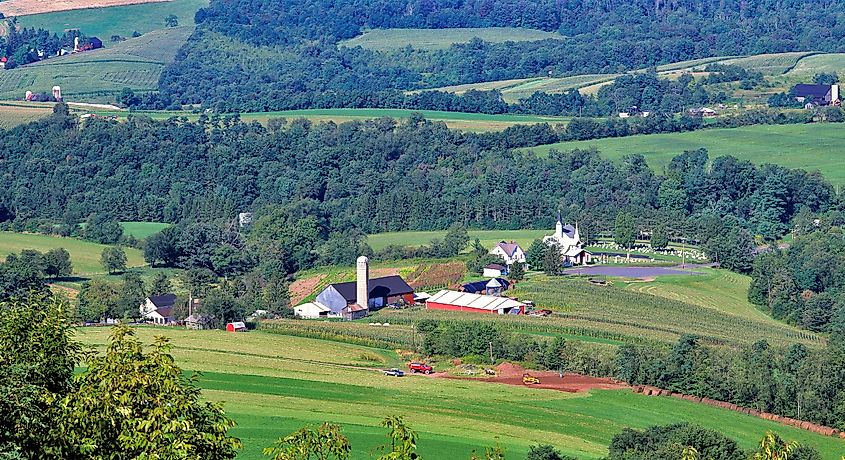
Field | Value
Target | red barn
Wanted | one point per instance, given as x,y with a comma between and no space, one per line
237,326
477,303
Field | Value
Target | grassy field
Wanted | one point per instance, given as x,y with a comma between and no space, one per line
141,230
96,76
116,20
84,255
273,384
514,90
807,67
769,64
455,120
12,114
488,238
389,39
813,147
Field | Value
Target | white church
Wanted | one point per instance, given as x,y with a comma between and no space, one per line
568,239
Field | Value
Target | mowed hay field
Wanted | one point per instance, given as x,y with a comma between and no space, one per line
12,115
141,230
99,75
274,384
488,238
84,255
389,39
115,20
478,122
812,147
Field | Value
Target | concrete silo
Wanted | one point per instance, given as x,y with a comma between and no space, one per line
362,291
57,93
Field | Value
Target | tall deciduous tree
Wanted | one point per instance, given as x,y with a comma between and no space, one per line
133,403
56,263
113,259
625,231
326,442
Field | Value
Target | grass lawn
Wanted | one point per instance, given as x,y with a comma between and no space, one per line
390,39
116,20
813,147
274,384
84,255
141,230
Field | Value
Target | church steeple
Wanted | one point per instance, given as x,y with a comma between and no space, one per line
559,226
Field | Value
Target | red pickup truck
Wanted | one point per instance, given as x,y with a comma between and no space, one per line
420,367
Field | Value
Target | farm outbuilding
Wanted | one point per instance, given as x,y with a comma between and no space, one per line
481,287
236,326
477,303
312,310
494,270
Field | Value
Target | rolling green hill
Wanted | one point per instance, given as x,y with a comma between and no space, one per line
813,147
273,384
98,75
116,20
387,39
84,255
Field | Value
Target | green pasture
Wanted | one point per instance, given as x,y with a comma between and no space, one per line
273,384
456,120
488,238
812,147
809,66
141,230
98,75
116,20
660,310
84,255
390,39
514,90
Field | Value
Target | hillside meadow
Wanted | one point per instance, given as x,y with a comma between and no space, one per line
432,39
273,384
98,75
812,147
84,255
116,20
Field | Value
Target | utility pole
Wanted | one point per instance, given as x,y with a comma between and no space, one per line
491,352
799,406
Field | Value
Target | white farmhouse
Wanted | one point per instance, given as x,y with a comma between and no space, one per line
158,309
567,238
509,252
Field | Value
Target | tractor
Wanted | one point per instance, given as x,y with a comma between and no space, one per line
529,379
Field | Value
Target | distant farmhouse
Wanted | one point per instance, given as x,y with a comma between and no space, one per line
568,239
158,309
509,252
354,299
816,95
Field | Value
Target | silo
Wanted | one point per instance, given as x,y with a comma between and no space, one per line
363,281
57,93
28,95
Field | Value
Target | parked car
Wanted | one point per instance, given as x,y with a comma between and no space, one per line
420,367
394,372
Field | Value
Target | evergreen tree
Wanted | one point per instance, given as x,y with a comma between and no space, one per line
659,237
625,232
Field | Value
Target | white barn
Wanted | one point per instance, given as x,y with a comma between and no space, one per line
158,309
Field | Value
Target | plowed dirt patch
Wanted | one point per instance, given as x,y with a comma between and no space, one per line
511,374
26,7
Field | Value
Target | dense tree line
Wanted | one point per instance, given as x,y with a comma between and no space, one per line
803,284
276,55
314,186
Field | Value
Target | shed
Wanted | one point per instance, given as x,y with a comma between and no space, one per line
494,270
480,287
312,310
237,326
